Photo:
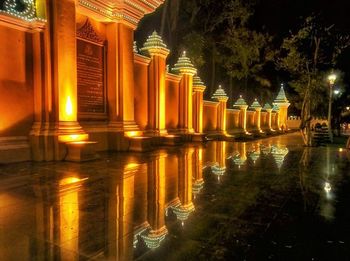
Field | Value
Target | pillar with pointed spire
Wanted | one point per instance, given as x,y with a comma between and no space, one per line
221,97
257,108
157,50
242,106
198,89
186,70
276,121
282,102
267,107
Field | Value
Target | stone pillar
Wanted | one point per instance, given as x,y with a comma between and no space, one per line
120,80
276,122
186,70
156,49
282,102
198,89
268,109
242,106
222,98
257,116
65,68
55,89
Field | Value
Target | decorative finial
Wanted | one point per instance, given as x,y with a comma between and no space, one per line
255,99
240,96
220,87
184,53
282,85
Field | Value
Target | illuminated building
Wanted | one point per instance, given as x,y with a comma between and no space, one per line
76,83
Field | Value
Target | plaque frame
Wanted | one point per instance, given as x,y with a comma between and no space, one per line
87,34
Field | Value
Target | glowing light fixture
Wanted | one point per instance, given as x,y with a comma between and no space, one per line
331,78
327,187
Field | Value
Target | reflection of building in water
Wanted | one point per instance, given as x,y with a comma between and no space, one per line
240,155
219,168
265,149
186,207
279,153
198,183
141,202
156,203
254,155
69,216
254,152
121,213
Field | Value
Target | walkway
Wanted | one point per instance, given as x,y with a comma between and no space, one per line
271,199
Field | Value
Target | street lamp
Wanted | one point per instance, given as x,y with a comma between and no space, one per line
331,80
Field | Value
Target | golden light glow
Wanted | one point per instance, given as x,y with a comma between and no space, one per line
73,137
332,78
69,107
133,133
70,181
327,187
130,166
69,221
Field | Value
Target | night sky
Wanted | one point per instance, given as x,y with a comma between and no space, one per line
276,17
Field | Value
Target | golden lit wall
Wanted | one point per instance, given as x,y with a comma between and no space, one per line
16,82
229,120
141,93
210,116
171,104
274,120
250,119
263,119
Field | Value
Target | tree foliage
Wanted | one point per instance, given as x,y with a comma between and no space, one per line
308,55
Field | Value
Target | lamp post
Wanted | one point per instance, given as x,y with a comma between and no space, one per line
331,79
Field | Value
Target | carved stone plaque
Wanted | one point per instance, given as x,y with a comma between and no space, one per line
91,72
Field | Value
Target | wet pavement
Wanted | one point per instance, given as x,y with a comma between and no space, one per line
270,199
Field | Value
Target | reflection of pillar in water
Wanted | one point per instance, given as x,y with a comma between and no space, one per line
186,207
198,172
219,168
240,158
69,217
265,149
141,202
121,211
279,153
156,203
254,155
